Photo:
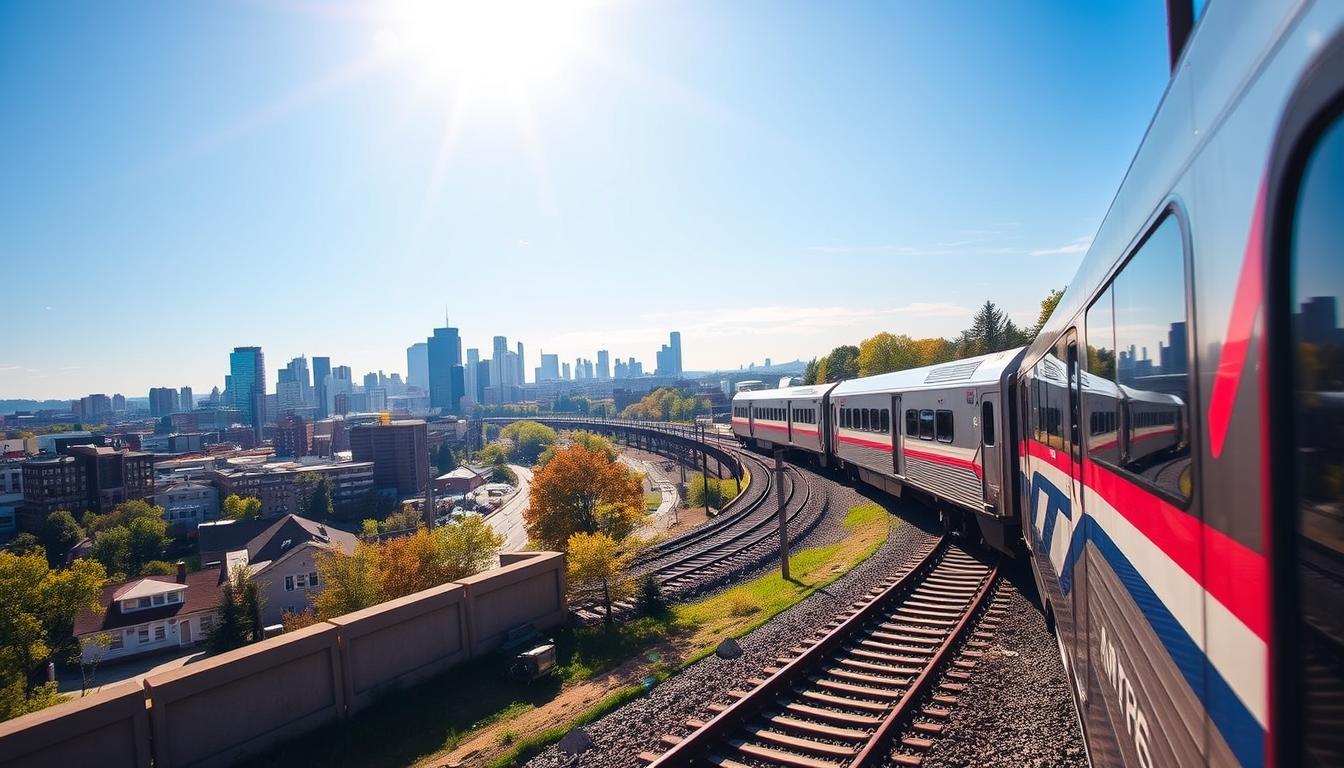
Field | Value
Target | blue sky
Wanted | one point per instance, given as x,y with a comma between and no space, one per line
772,179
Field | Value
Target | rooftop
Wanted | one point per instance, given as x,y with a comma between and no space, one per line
203,590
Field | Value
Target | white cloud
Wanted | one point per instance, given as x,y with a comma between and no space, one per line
1077,246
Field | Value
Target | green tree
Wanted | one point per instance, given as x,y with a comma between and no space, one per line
1048,305
60,532
368,529
122,515
718,492
810,372
401,520
842,363
239,621
112,548
23,543
493,455
147,538
529,439
158,568
37,611
444,460
240,507
319,503
596,564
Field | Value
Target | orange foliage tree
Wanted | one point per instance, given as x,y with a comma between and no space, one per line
583,491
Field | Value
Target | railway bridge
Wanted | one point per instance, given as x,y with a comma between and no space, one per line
691,443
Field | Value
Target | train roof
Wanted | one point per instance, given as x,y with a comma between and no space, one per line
985,369
783,393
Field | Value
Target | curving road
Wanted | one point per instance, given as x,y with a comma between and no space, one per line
507,521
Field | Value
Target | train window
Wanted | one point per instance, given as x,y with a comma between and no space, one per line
926,424
1316,290
912,422
1101,397
944,426
987,423
886,421
863,418
1139,382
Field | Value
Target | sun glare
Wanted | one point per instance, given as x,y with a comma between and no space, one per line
489,45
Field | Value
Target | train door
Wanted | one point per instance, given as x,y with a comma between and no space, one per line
990,453
896,422
1077,578
751,419
788,419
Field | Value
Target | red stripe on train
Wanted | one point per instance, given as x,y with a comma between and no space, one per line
1239,577
1240,327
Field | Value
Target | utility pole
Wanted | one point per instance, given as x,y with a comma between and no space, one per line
783,517
704,469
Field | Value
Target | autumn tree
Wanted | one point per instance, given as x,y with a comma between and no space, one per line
667,404
408,564
37,612
349,582
529,439
402,520
583,491
237,507
887,352
590,440
466,546
596,564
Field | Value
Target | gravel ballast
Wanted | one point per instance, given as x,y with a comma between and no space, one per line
1017,710
619,737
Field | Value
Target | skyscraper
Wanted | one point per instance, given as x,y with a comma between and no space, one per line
522,369
247,366
502,371
417,365
299,366
470,375
482,380
669,357
445,357
186,400
564,371
321,370
550,368
603,364
162,401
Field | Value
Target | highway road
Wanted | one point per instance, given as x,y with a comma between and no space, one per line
507,521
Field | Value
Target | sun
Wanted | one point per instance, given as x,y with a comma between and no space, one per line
491,45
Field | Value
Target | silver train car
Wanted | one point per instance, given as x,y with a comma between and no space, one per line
1177,460
791,417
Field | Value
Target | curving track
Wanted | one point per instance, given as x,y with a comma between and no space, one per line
733,543
865,690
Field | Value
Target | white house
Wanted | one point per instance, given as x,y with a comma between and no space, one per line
152,614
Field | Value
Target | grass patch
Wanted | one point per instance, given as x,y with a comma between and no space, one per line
532,746
653,500
739,610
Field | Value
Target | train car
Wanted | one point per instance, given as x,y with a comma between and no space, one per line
1170,408
791,417
941,430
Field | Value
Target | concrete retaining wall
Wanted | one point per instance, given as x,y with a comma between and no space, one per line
219,710
530,590
402,642
244,701
109,729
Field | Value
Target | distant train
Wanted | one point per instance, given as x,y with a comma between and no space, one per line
1169,452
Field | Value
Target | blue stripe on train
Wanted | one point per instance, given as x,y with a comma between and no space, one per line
1234,721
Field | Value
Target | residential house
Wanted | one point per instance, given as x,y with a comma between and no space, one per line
462,480
188,504
279,554
154,614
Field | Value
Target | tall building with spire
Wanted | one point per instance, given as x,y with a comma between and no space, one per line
446,376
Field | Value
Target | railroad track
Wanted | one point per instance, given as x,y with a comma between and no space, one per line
710,555
873,687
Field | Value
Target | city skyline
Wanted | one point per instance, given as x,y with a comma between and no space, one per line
322,168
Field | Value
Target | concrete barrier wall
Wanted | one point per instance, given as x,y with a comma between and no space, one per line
531,590
242,702
109,729
220,710
402,642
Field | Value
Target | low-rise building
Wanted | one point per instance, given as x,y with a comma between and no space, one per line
188,504
277,484
154,614
464,479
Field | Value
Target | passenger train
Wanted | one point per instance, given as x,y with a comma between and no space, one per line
1169,451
